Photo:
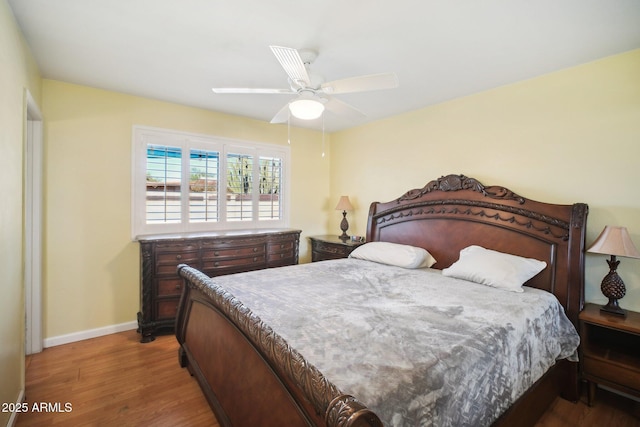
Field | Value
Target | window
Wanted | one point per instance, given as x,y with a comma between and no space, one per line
190,183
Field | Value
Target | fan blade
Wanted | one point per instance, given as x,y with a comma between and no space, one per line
248,90
343,109
361,83
290,60
282,115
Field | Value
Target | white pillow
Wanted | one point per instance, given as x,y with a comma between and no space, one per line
493,268
394,254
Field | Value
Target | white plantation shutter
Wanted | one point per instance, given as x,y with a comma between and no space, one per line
270,179
190,183
163,184
240,174
204,185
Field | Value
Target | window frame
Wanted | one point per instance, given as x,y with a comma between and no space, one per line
143,135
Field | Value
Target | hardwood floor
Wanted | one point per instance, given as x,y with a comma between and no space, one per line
609,410
116,381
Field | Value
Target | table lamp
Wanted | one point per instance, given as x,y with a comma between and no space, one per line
344,205
614,241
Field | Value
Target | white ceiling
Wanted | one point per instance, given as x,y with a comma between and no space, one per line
176,50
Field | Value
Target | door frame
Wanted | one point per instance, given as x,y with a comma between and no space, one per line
33,221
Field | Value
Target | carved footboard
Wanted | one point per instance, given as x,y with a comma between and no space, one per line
248,373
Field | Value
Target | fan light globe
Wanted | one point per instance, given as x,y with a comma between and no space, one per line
306,109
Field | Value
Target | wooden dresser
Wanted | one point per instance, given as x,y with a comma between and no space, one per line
214,254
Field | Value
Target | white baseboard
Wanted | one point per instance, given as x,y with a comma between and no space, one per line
91,333
14,414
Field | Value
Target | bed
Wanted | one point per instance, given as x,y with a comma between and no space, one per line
254,341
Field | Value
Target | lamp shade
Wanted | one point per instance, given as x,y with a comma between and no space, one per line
306,109
344,204
614,241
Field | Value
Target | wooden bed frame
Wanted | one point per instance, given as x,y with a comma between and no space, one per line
250,375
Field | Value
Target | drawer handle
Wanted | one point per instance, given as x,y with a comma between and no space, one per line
255,249
281,245
216,253
178,286
178,257
255,259
216,264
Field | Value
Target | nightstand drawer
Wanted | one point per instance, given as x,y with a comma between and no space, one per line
609,372
331,247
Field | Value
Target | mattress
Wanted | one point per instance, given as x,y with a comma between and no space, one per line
416,347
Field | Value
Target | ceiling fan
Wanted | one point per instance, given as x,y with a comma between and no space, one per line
313,95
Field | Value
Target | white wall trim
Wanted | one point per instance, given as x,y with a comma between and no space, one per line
14,414
90,333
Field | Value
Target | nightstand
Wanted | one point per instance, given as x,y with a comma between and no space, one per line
331,247
610,350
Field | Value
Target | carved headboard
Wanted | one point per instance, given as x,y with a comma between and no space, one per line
455,211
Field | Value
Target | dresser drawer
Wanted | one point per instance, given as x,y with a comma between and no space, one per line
174,247
167,308
287,245
167,262
246,242
281,252
169,287
232,252
287,256
220,266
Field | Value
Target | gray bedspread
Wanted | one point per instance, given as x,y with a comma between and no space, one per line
418,348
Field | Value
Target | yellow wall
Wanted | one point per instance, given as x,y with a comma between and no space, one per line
570,136
18,72
92,266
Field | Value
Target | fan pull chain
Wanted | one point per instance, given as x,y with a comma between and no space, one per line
289,127
322,135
